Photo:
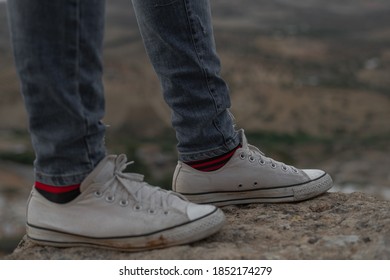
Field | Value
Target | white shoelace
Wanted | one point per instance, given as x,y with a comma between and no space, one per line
255,153
131,185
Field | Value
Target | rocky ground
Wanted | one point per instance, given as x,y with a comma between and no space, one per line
333,226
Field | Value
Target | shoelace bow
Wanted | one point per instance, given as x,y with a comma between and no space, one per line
133,185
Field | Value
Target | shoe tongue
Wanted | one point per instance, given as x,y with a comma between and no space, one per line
102,172
244,142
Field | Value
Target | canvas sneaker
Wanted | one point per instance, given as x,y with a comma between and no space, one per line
249,177
118,210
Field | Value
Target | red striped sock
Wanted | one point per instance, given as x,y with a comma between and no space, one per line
57,194
214,163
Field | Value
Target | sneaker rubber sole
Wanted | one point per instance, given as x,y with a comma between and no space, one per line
181,234
292,193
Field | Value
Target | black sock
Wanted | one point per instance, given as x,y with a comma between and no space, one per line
212,164
62,194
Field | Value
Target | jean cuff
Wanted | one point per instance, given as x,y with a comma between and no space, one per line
230,144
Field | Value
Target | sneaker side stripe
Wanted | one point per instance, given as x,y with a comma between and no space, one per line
120,237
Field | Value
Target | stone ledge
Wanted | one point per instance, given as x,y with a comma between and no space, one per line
332,226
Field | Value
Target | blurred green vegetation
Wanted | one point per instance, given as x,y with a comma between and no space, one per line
289,148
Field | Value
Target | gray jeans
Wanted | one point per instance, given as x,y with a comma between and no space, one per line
58,56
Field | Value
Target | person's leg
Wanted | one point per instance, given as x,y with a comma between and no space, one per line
179,40
178,37
57,47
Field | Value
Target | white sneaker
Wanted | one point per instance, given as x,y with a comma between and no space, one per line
249,177
118,210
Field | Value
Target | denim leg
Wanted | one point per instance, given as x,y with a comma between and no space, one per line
179,40
57,47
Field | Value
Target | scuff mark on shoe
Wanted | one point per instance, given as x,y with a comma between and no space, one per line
155,243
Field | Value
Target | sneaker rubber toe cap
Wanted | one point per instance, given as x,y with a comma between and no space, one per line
195,211
314,174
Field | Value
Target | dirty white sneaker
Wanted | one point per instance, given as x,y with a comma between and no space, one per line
118,210
249,177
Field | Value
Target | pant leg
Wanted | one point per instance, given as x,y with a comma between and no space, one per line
57,47
179,40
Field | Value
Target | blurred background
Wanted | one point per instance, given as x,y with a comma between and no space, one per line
309,81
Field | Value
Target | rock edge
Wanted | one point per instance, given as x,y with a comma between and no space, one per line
332,226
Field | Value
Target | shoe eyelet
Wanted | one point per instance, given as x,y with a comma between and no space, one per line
166,212
123,203
137,207
240,185
242,156
284,168
261,161
152,211
254,184
98,194
273,165
294,170
110,198
251,159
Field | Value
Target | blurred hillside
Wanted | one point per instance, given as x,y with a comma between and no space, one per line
317,67
309,82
